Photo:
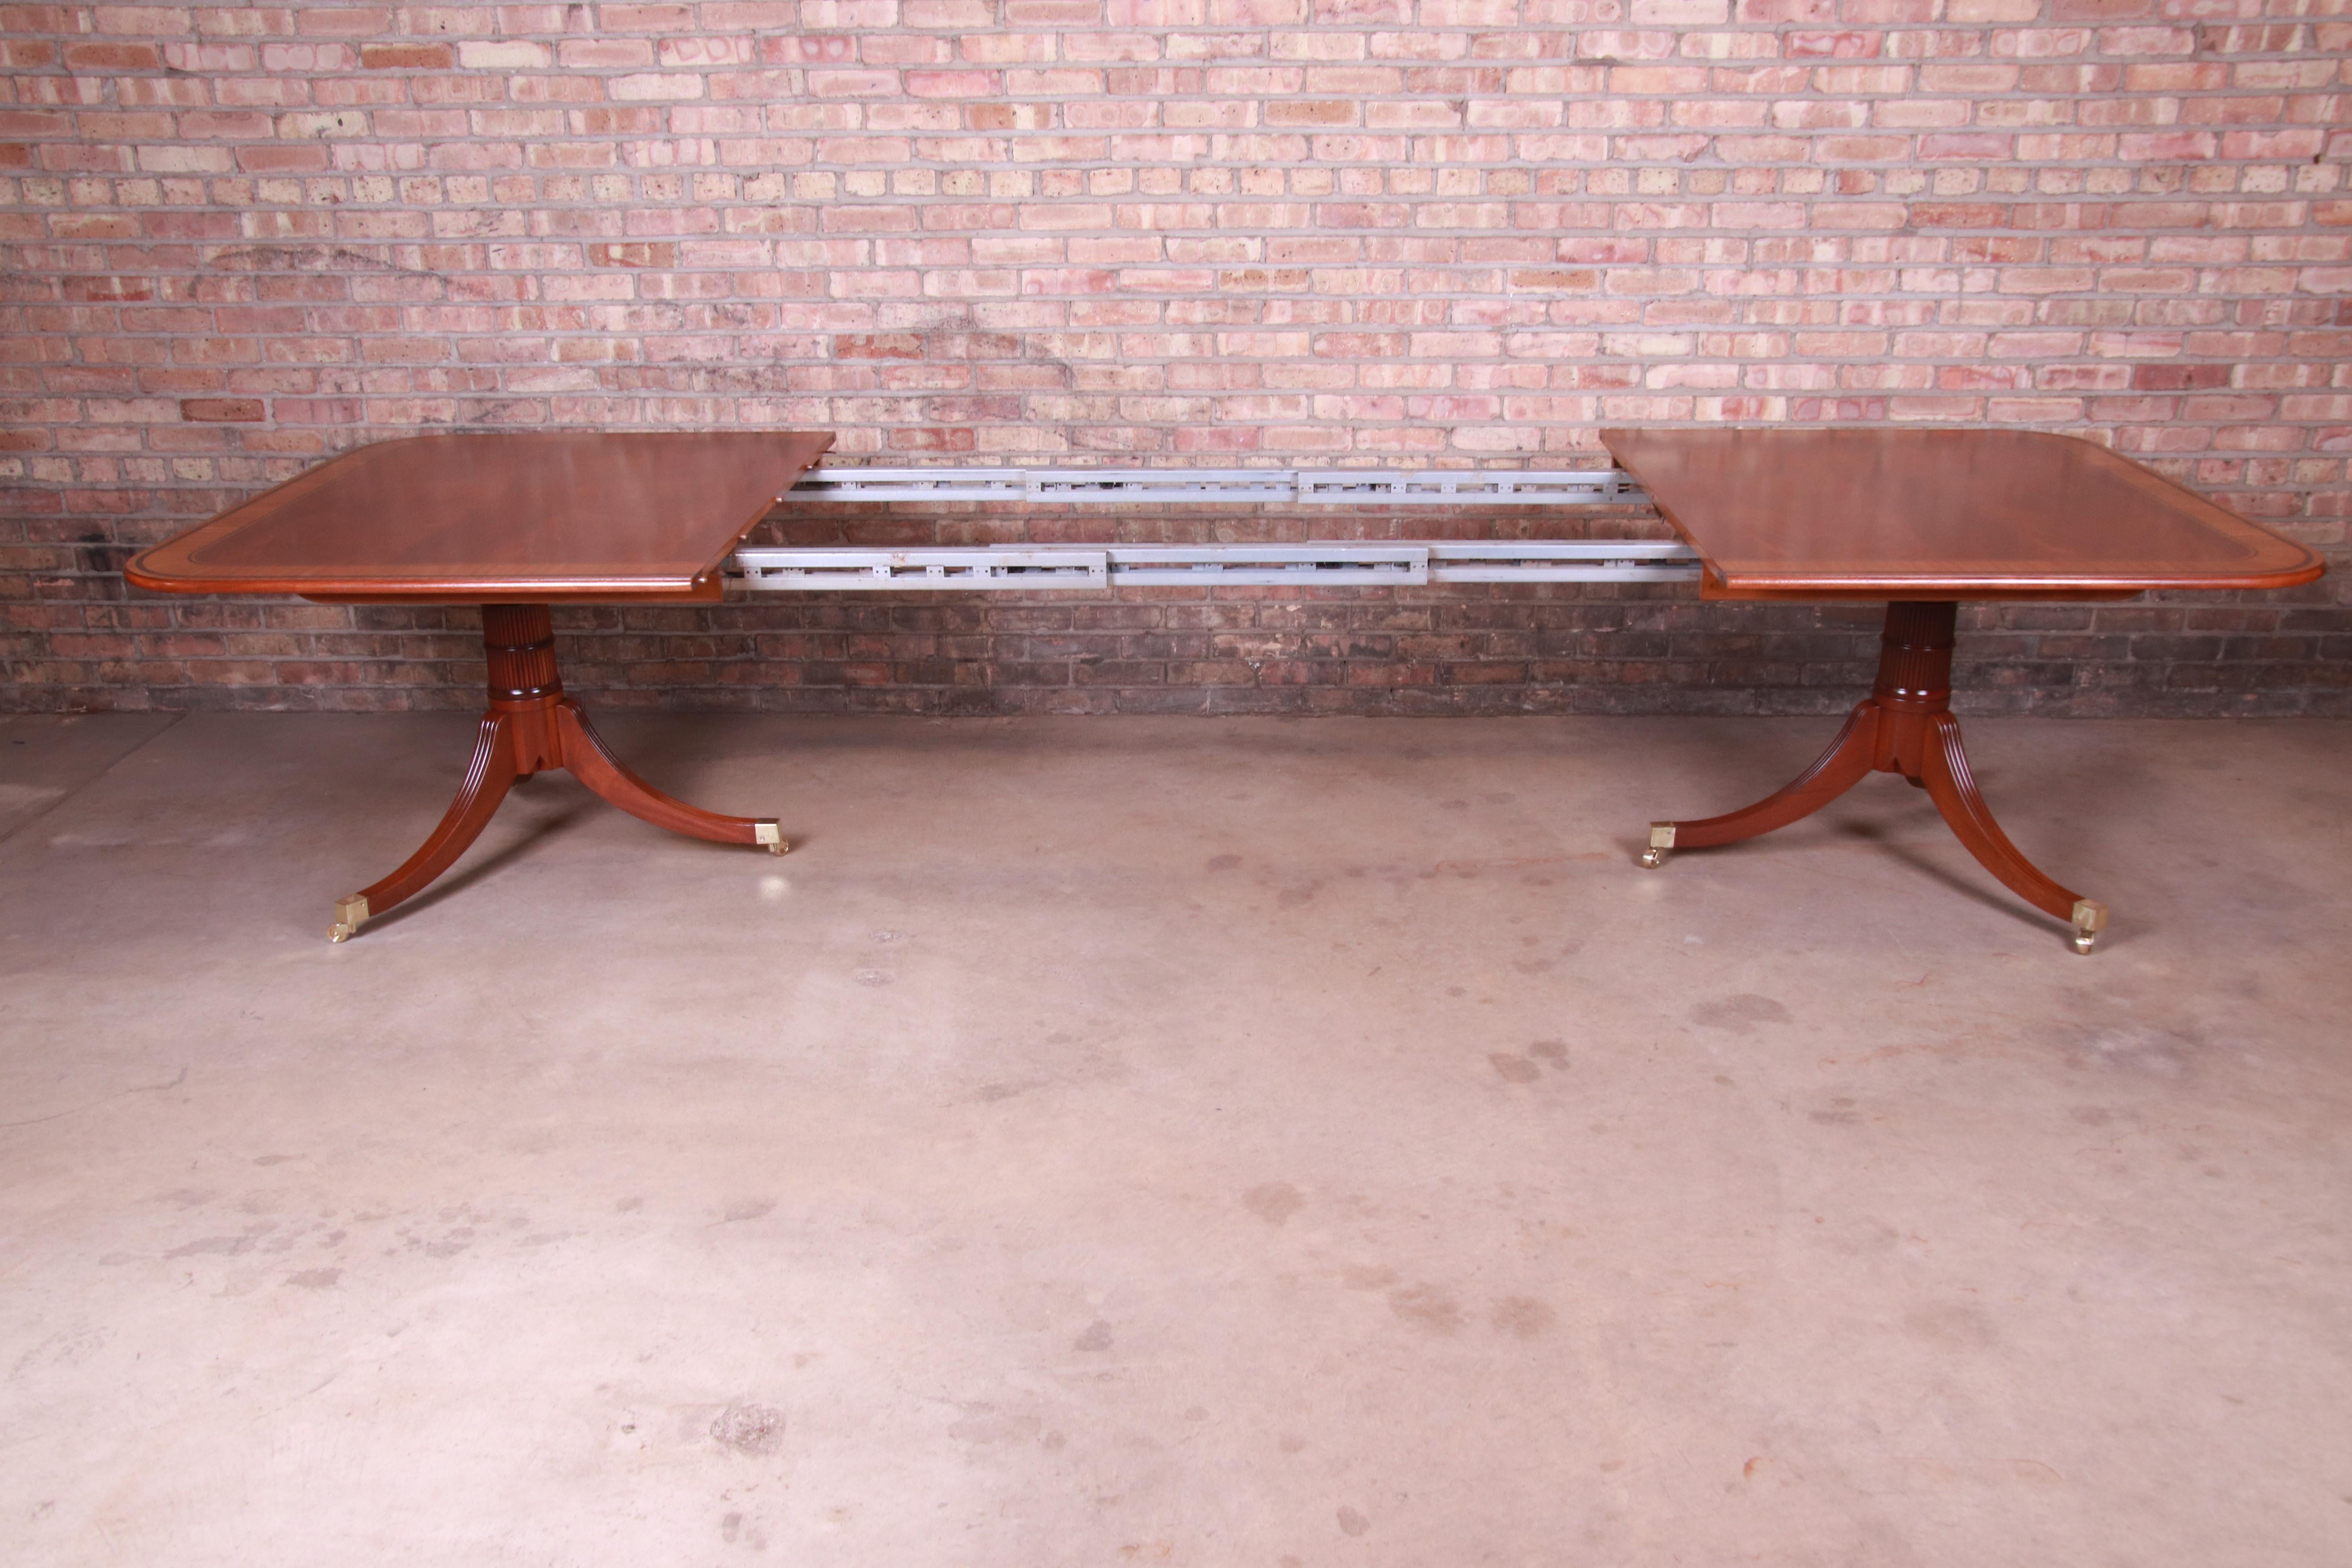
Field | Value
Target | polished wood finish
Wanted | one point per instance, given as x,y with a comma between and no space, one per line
566,516
1940,514
533,726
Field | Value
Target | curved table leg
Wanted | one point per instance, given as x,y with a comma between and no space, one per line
1905,726
531,726
488,776
593,764
1834,772
1944,769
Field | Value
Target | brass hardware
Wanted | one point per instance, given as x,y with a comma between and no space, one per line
2090,918
1662,844
771,833
350,915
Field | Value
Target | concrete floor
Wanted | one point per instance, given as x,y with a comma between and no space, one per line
1111,1141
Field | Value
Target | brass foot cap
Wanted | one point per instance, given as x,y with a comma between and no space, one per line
1662,844
2090,918
350,915
771,835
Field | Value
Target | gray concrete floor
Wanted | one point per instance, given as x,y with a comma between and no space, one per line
1133,1142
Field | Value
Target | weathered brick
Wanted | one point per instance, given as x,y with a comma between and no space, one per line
1173,230
223,410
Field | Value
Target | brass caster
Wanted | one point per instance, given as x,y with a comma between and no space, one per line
1662,844
771,835
350,915
2090,919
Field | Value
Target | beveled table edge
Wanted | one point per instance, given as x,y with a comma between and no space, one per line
1716,582
702,585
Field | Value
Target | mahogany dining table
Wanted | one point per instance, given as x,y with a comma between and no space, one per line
1921,520
515,522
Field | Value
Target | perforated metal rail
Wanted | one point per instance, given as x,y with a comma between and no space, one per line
1315,564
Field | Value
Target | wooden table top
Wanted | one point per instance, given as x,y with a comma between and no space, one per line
1941,514
543,516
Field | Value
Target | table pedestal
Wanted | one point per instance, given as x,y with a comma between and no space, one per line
532,725
1905,726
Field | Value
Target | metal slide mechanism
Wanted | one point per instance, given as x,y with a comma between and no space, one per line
1316,563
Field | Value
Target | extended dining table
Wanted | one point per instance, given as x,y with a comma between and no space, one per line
1922,519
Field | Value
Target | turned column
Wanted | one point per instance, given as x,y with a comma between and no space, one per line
525,686
1915,681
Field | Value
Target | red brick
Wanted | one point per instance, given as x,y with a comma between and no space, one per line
112,58
656,253
408,57
222,410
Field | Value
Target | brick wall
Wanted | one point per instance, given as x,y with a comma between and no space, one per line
1290,232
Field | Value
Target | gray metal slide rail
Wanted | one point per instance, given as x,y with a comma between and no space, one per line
1315,564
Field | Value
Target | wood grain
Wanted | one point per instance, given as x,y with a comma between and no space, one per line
547,516
1956,514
